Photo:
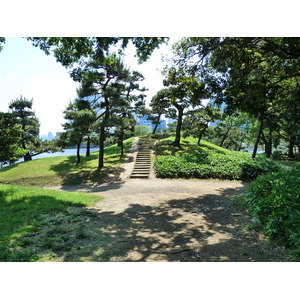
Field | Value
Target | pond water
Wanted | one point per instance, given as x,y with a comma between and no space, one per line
66,152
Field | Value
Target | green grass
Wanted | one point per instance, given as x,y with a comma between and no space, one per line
208,161
189,145
63,170
38,224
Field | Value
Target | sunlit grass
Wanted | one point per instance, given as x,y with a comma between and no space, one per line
63,170
188,145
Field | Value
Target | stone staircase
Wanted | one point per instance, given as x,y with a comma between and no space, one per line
142,165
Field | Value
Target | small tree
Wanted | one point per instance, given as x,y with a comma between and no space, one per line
160,104
197,121
21,110
10,133
80,119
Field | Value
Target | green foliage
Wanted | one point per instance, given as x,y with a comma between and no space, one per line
21,111
213,162
71,50
141,130
9,139
274,200
23,215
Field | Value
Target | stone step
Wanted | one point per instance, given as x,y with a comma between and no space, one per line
140,173
139,176
142,167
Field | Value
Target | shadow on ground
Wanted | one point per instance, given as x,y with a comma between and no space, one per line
188,229
78,174
206,228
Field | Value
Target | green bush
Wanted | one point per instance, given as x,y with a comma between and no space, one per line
274,200
233,165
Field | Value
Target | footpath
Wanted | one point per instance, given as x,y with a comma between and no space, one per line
151,219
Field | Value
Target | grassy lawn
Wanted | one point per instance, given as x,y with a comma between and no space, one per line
189,145
40,225
63,170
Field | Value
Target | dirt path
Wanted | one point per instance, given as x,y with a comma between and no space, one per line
171,220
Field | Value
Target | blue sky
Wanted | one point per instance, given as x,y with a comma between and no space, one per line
26,70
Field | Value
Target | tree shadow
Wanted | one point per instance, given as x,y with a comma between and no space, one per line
192,229
78,174
205,228
7,168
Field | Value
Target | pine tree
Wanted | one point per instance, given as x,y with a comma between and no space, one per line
21,110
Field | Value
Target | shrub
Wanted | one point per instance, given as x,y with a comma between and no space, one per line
233,165
274,200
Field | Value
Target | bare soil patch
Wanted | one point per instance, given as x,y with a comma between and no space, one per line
169,220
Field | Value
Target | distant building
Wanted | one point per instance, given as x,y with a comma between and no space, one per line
144,122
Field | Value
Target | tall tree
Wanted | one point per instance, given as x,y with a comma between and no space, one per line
130,100
184,92
112,84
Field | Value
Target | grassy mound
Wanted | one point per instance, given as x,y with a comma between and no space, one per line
37,224
63,170
274,201
208,161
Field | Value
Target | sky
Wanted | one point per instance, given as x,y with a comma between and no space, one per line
28,72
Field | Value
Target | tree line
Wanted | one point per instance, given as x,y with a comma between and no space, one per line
256,78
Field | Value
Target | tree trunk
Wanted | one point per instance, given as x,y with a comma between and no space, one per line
122,148
88,146
201,133
120,142
241,143
102,135
156,125
225,136
27,157
179,124
261,126
268,144
78,152
101,147
291,147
